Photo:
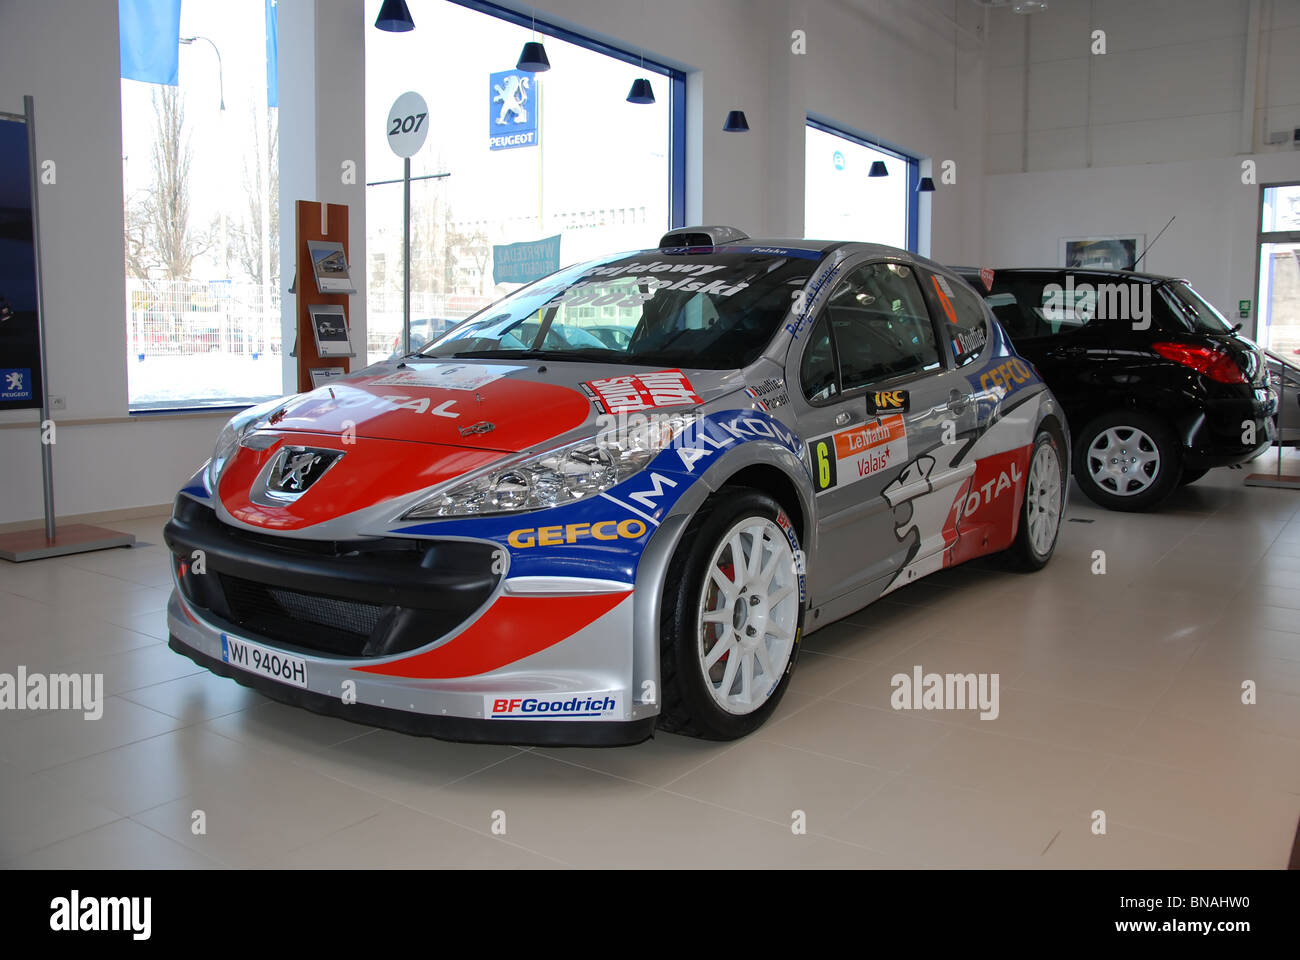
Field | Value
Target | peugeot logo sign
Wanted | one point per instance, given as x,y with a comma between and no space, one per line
294,469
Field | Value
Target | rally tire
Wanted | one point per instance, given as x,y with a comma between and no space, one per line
1138,442
692,699
1043,508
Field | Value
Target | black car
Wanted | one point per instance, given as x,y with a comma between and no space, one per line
1158,387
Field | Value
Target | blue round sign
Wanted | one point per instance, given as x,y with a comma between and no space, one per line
838,160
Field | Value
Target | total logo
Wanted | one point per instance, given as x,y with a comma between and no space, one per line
985,494
630,529
582,706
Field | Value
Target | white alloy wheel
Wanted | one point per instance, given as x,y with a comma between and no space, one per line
748,615
1043,498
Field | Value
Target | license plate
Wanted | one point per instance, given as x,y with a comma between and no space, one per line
264,661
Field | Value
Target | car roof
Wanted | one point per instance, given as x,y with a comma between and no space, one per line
1056,271
851,247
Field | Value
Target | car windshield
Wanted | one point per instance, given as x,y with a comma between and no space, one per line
712,308
1191,311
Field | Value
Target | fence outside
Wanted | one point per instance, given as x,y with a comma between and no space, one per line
185,318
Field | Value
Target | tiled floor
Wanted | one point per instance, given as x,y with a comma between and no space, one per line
1119,693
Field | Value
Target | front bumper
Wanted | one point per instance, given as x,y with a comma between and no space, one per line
564,733
415,635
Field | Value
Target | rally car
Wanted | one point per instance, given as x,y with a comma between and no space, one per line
516,535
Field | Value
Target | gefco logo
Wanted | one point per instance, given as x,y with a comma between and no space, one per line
580,707
630,529
1007,377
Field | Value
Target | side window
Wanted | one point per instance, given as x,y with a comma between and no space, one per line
817,369
880,325
968,330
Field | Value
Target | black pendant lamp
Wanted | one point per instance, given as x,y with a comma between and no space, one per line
736,122
641,91
925,186
394,17
878,169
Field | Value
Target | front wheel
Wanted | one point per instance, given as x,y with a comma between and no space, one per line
732,617
1126,460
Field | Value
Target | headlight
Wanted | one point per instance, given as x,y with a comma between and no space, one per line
558,477
234,431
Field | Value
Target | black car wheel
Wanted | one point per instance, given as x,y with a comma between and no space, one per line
1125,460
732,617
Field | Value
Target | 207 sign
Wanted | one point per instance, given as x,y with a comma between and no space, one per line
406,126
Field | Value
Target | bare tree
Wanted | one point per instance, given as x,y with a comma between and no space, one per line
261,177
158,234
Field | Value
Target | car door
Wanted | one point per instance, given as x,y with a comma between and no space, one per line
870,403
1053,323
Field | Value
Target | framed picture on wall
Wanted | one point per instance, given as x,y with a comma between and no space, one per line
1116,252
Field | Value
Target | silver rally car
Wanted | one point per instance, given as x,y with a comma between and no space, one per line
526,533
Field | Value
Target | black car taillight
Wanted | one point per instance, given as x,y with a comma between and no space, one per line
1214,363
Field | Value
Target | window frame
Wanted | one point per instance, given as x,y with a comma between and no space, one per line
676,90
900,380
913,166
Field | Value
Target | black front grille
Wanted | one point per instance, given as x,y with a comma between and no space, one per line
361,598
307,620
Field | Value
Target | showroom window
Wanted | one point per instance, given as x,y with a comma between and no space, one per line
1278,321
557,166
201,202
842,201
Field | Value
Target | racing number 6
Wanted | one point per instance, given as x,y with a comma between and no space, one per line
823,465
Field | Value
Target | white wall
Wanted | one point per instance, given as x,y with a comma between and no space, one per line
898,70
1211,243
1156,127
1179,79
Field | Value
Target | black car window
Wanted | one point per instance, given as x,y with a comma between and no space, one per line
817,369
880,325
968,330
1040,306
1190,310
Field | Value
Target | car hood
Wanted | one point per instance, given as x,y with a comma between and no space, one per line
489,405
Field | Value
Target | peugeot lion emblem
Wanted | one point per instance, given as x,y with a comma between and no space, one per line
294,469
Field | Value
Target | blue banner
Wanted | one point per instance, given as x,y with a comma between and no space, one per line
20,352
525,262
149,38
512,110
272,54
